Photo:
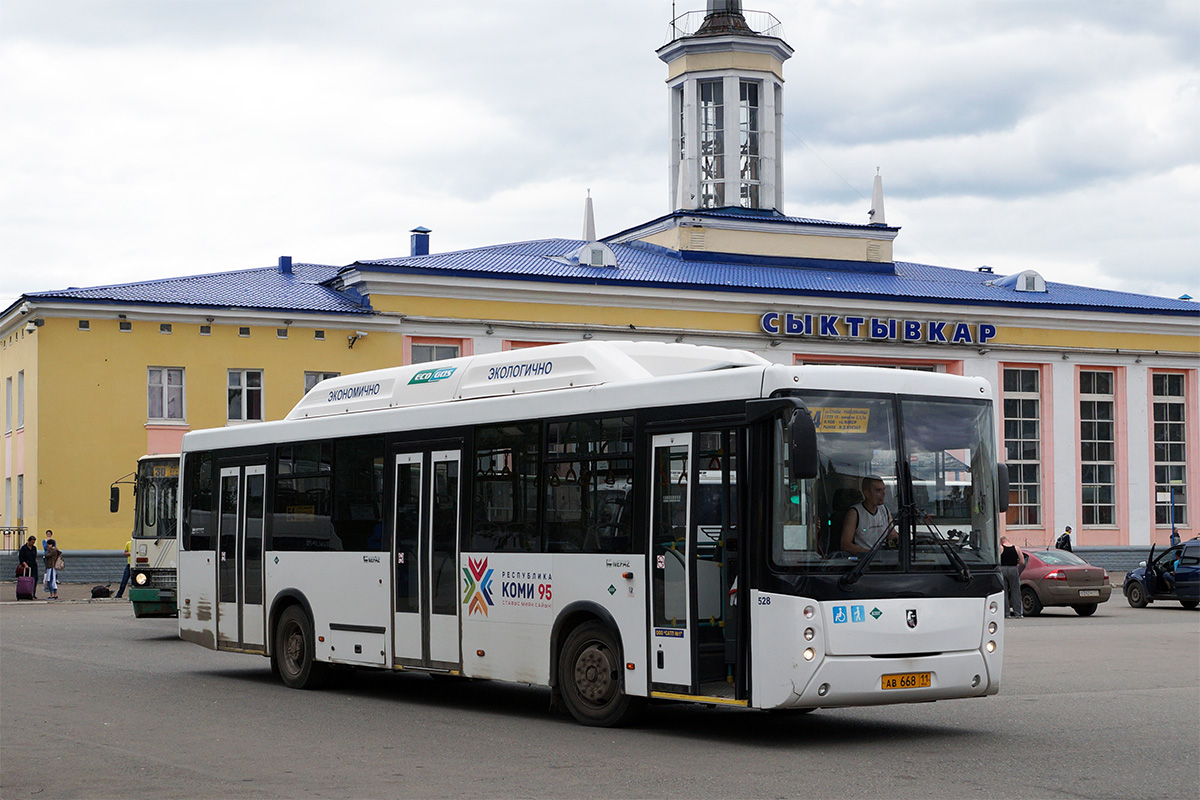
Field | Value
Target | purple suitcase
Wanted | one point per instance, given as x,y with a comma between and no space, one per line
25,585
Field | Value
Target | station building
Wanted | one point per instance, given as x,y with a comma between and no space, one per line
1097,390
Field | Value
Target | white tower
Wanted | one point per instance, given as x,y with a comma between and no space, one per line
726,89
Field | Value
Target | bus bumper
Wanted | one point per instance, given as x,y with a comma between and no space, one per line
150,602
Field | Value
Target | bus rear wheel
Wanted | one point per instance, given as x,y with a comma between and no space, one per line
589,677
295,651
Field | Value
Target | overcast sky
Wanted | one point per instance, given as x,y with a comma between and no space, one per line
142,139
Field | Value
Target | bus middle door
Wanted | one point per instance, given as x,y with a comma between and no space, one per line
425,557
241,623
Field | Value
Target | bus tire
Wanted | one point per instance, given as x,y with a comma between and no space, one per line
295,651
589,678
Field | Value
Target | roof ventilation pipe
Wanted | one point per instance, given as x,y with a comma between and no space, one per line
419,241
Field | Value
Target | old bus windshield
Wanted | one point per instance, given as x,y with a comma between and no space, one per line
936,461
157,493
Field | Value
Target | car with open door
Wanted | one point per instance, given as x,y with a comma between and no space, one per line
1061,578
1174,574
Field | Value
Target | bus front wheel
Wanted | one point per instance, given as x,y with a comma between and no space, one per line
589,677
295,651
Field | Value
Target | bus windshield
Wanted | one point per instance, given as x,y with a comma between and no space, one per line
156,496
906,484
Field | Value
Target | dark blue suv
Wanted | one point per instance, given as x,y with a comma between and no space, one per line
1172,575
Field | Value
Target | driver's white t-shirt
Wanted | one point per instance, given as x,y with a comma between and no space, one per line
870,526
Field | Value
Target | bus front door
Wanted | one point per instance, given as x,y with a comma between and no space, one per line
425,557
694,563
241,623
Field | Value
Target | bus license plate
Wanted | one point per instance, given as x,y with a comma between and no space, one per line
1089,592
908,680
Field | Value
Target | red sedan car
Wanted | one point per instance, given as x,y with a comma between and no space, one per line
1061,578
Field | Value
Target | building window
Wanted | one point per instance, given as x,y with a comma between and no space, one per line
281,333
21,399
20,499
206,330
749,153
311,379
1098,447
243,331
422,353
1170,449
8,517
319,335
85,325
8,405
164,390
245,395
125,326
164,327
712,144
1023,445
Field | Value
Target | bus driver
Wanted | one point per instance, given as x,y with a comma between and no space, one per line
866,521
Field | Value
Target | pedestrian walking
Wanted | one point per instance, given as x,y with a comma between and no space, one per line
1011,562
1064,541
29,557
54,563
125,575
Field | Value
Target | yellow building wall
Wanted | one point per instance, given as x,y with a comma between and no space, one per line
721,322
732,59
760,243
92,404
19,353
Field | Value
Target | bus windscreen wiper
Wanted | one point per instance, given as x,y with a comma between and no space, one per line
909,512
851,577
964,572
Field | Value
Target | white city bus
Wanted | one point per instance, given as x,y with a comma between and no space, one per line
619,521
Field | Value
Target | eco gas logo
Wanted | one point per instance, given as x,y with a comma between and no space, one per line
432,375
478,595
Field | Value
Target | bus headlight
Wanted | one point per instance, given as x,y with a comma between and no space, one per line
991,627
991,647
809,654
809,633
141,578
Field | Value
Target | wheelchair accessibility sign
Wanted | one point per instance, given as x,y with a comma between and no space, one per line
856,614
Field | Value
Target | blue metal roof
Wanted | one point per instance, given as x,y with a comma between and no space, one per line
647,265
308,289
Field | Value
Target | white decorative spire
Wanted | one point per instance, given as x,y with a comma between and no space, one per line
876,216
589,219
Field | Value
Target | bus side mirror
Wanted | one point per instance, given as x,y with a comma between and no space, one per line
805,463
1002,487
114,499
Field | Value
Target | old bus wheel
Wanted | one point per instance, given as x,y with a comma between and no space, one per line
589,677
294,654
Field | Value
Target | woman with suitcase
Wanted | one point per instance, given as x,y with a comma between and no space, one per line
28,559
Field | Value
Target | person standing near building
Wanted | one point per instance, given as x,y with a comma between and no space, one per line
1011,561
28,556
1064,541
54,562
125,575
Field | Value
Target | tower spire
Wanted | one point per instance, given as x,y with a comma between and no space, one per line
876,216
589,219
